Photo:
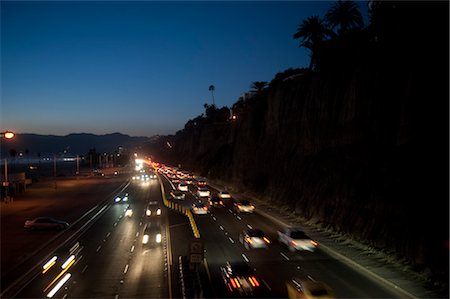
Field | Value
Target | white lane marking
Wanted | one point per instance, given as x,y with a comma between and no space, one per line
132,248
285,256
84,269
98,248
267,285
221,227
140,223
115,223
311,278
231,239
126,269
65,296
120,217
137,234
117,296
238,217
108,234
245,258
249,226
214,218
230,211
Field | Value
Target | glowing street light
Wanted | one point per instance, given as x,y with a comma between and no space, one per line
7,134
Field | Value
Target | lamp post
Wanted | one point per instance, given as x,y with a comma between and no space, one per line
7,135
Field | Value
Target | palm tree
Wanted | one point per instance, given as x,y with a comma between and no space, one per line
258,86
345,15
312,32
212,88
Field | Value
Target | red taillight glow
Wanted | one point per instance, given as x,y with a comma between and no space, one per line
255,281
233,283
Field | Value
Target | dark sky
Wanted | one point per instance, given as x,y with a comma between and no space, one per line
139,68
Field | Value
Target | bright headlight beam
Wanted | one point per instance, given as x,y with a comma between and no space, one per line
50,262
59,285
158,238
67,262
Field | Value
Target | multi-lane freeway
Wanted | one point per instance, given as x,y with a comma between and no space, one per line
105,257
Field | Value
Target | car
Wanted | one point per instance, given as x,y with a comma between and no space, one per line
128,212
244,206
153,209
224,195
308,289
203,192
122,197
178,195
152,234
241,280
199,208
254,238
215,201
188,181
153,176
296,239
183,187
201,183
45,223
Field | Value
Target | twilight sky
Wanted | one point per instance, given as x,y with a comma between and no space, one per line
139,68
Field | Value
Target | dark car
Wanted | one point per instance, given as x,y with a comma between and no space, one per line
153,209
215,201
46,223
152,234
241,280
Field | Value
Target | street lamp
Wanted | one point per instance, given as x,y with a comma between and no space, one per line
7,135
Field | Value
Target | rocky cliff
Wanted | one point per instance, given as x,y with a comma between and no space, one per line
359,145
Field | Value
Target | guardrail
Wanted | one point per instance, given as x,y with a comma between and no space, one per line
179,208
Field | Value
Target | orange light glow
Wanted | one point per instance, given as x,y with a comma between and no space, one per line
9,135
314,243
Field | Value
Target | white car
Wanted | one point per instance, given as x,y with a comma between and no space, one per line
203,192
244,206
224,195
254,238
183,187
178,195
128,212
153,209
199,208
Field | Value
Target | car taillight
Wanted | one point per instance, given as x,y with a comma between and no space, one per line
314,243
221,202
251,281
255,281
267,240
293,243
205,208
237,283
233,283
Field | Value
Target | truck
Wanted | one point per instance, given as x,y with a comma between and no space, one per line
295,239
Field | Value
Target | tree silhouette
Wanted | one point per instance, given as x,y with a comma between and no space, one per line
258,86
211,89
344,15
312,32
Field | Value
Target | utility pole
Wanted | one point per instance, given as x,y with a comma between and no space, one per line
78,165
54,169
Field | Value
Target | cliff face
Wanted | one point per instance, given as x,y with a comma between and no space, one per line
360,145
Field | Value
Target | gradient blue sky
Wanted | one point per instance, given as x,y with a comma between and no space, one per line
139,68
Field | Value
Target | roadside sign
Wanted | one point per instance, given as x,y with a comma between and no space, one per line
196,246
195,258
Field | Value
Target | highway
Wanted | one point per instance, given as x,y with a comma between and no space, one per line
109,259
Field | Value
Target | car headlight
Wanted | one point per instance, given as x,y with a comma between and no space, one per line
117,199
145,239
125,198
158,212
148,212
158,238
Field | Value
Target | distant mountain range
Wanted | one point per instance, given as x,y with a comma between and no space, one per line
72,144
